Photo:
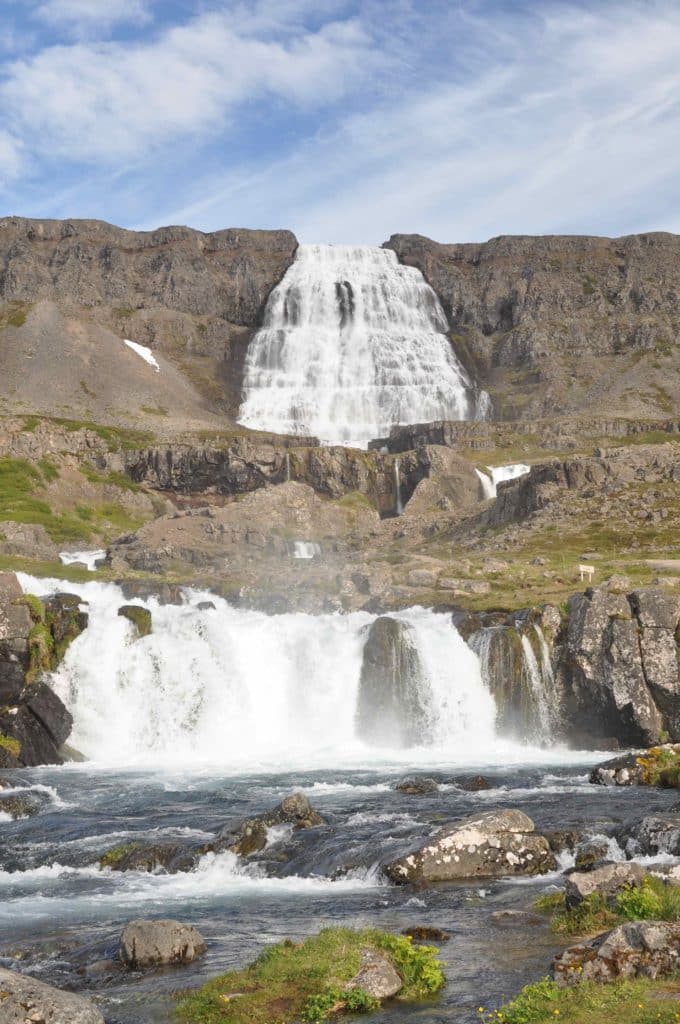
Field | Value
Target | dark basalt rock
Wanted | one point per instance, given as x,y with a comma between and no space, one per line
153,858
250,836
417,786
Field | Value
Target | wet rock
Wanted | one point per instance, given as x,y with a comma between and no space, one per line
390,708
139,617
377,976
490,845
648,949
154,858
590,853
164,593
426,933
22,805
205,606
607,881
24,1000
563,839
250,836
145,944
417,786
651,835
619,771
472,783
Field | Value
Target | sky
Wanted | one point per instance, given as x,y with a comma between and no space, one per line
344,120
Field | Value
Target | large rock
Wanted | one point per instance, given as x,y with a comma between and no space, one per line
154,858
647,949
146,944
24,1000
607,881
391,706
651,835
489,845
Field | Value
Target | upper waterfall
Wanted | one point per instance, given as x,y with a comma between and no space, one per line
353,343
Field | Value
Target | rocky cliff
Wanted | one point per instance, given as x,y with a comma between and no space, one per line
191,296
557,324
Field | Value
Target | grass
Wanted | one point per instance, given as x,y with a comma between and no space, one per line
661,767
113,478
651,901
622,1002
308,981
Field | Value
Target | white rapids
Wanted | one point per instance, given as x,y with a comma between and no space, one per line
353,343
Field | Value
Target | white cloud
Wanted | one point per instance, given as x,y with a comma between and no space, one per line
87,14
11,160
564,124
111,101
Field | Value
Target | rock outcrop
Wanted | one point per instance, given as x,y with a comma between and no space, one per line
34,724
605,880
145,944
23,999
491,845
549,324
391,705
645,949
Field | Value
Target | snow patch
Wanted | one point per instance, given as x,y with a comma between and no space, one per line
146,353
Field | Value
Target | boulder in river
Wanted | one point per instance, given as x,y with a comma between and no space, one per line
22,804
648,949
146,944
489,845
417,785
154,858
651,835
391,710
23,999
251,835
607,880
377,975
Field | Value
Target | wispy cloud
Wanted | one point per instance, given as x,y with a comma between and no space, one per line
85,15
348,121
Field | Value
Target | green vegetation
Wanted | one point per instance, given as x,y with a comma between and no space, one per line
308,981
14,314
158,411
10,744
661,767
623,1002
654,900
113,478
34,604
49,471
113,857
139,617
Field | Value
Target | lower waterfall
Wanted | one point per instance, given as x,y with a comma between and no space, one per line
237,687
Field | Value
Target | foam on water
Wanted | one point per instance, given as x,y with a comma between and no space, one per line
353,343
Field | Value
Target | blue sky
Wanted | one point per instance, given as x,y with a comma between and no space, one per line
343,120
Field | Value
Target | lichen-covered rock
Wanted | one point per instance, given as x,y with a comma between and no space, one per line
154,858
648,949
489,845
607,880
417,785
391,711
22,805
24,1000
651,835
377,976
145,944
590,853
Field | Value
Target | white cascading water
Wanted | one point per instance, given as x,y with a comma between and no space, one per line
241,688
498,474
353,343
535,677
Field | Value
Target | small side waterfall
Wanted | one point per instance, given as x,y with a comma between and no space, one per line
305,549
488,488
287,464
398,503
523,687
353,343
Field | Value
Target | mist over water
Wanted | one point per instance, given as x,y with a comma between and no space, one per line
353,343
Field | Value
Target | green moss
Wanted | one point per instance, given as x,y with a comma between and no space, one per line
623,1002
308,981
139,617
113,478
14,315
40,652
34,605
10,744
30,424
661,767
115,855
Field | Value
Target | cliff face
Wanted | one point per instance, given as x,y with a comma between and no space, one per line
194,297
558,324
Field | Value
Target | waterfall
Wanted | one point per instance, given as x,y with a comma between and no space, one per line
398,503
229,686
352,344
488,487
524,691
287,463
305,549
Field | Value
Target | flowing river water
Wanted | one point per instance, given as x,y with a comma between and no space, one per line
217,716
